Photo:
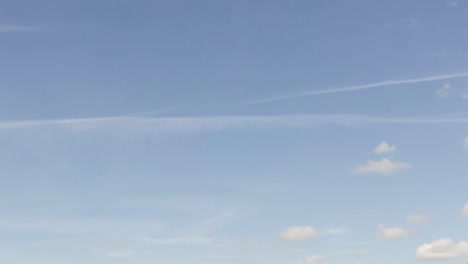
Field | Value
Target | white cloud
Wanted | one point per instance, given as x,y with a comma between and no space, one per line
384,166
465,210
361,87
443,248
444,91
464,96
204,124
391,233
384,147
416,219
298,233
315,259
15,28
465,143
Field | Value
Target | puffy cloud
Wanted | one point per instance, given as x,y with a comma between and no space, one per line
416,219
444,91
391,233
384,166
384,147
443,248
298,233
465,210
315,259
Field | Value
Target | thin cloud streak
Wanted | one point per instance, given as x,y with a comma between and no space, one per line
16,28
361,87
183,125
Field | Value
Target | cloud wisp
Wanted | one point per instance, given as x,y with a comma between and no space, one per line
355,88
16,28
465,210
444,91
417,219
465,143
296,233
315,259
384,166
204,124
384,233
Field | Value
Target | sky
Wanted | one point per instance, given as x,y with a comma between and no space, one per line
227,132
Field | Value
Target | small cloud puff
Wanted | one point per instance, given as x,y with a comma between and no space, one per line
384,166
315,259
391,233
443,248
444,91
298,233
384,147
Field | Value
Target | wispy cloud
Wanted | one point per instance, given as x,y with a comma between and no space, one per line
453,3
444,91
465,143
335,231
384,233
16,28
417,219
298,233
189,241
183,125
315,259
384,166
465,210
354,88
87,225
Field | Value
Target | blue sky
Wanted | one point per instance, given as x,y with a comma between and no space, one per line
233,131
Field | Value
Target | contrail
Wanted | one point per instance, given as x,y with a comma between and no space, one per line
199,124
360,87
